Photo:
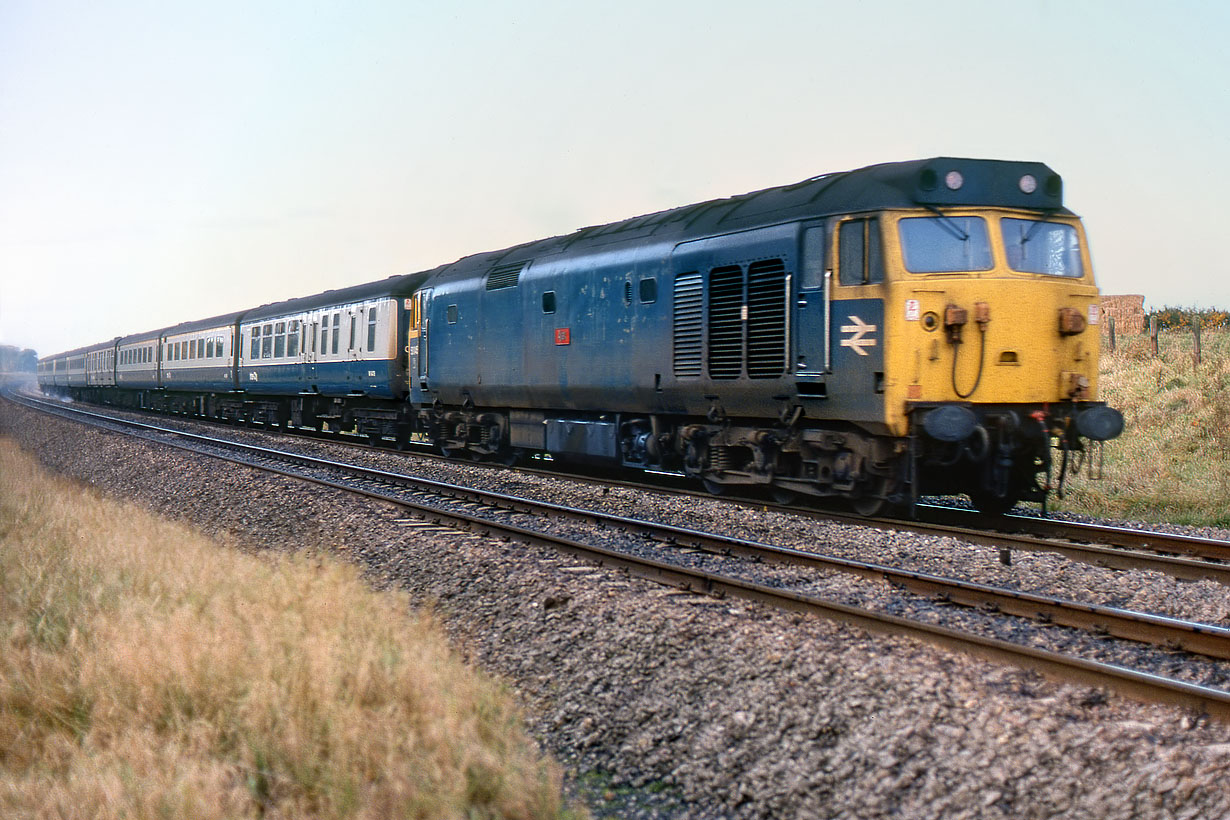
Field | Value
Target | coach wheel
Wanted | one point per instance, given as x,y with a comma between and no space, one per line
714,487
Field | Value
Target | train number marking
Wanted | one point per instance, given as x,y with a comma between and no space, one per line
859,338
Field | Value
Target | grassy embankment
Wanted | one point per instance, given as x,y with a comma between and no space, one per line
146,672
1172,462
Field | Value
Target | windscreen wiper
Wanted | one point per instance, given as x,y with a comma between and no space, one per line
948,223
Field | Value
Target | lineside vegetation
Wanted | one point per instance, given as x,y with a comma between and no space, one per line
1172,463
146,672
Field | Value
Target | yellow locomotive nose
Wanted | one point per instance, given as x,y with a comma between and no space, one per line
995,347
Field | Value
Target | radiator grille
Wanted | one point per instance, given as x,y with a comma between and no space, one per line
766,319
688,325
726,322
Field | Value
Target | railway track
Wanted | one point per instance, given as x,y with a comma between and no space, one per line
496,515
1186,557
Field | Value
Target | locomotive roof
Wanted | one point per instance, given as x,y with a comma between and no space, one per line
926,183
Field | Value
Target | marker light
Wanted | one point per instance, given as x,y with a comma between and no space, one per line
1028,184
954,180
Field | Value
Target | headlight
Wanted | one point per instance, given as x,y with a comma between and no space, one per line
1028,184
954,180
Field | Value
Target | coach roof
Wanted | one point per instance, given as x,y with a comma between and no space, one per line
394,286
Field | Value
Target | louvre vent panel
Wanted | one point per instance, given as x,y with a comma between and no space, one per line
766,319
726,322
689,312
505,276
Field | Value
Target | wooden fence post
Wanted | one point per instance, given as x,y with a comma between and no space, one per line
1153,334
1111,324
1196,330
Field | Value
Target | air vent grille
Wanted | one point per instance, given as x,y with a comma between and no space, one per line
505,276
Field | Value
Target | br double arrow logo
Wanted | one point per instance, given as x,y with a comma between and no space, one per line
859,338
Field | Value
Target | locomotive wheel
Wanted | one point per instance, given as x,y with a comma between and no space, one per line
784,497
867,505
872,501
991,504
713,487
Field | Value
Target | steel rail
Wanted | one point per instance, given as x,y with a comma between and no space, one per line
1120,548
1210,549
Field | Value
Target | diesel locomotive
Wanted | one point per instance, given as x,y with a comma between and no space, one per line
905,329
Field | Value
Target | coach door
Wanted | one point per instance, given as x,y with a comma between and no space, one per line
311,340
416,340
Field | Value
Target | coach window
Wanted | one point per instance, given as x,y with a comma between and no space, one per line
353,322
548,302
371,329
256,343
200,348
292,339
267,341
337,325
649,291
859,255
279,340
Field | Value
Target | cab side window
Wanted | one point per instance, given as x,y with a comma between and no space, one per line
813,258
859,253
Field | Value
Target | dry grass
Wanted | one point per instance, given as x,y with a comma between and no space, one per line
147,673
1172,462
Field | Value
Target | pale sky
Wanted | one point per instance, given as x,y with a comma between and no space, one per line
167,160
